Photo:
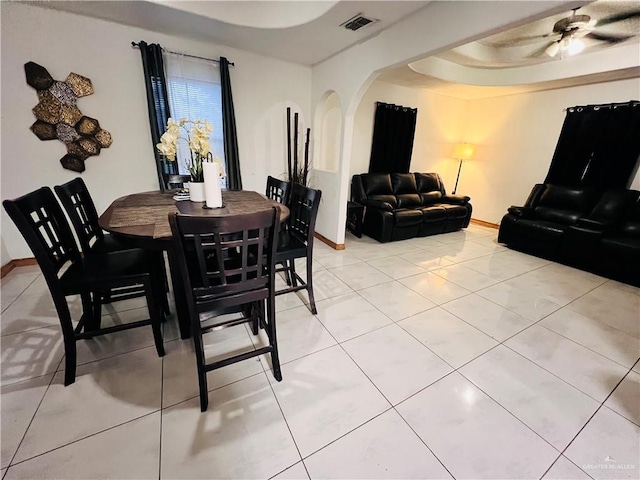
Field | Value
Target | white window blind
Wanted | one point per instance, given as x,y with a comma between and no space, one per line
195,93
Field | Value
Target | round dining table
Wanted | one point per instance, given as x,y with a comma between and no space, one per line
142,220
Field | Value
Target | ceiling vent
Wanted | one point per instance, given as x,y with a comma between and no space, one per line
357,22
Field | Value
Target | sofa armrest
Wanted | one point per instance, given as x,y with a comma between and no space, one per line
380,205
357,189
594,225
455,199
520,212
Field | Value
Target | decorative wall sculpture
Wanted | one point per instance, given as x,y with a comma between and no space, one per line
58,116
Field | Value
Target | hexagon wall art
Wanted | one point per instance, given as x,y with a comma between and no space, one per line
58,117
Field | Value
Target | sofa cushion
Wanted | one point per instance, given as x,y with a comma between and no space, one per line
428,182
434,214
403,183
631,225
390,199
564,217
565,198
377,184
613,205
429,198
454,211
631,228
407,217
540,229
622,244
409,200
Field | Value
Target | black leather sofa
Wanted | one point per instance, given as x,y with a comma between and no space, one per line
585,228
399,206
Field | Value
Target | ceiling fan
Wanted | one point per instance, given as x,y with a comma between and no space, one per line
567,33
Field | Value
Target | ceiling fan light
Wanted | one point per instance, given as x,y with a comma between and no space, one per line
553,49
575,46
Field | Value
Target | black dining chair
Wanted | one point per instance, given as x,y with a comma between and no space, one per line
77,202
278,190
43,225
227,263
81,210
172,181
296,240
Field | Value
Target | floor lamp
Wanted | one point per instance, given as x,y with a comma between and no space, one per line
462,151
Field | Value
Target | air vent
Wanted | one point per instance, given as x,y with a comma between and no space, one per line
357,22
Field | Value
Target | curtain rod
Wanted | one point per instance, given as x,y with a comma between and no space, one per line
630,103
136,45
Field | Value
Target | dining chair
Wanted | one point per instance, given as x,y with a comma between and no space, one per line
278,190
296,241
81,210
228,263
43,225
172,181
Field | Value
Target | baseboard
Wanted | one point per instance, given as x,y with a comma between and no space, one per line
323,239
18,262
485,224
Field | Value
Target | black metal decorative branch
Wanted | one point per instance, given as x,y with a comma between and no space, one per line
298,173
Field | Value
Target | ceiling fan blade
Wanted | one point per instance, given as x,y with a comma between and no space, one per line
604,37
618,17
519,41
541,51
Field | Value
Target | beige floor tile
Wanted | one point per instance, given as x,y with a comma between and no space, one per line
242,435
131,451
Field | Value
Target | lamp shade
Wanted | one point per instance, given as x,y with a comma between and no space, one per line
463,151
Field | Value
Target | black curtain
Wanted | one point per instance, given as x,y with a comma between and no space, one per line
157,104
232,157
393,131
599,147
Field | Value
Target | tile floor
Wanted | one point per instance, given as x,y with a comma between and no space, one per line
442,357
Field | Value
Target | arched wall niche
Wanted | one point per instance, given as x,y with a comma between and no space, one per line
328,135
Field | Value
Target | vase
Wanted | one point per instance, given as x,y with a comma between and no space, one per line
196,191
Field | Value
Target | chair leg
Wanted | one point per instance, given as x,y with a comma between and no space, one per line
162,272
92,307
312,301
155,315
69,361
202,373
287,274
275,358
255,317
292,270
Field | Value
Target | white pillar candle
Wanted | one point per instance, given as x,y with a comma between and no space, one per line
212,192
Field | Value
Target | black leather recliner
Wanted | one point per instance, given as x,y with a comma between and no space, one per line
405,205
584,228
539,225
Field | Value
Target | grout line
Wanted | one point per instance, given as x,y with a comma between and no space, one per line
275,396
161,407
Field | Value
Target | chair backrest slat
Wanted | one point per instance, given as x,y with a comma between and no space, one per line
278,190
43,225
77,202
303,207
223,256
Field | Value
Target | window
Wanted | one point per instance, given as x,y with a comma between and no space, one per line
195,93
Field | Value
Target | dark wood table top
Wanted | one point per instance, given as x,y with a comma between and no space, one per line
145,215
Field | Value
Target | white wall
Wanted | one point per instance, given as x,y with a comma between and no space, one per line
439,125
4,255
63,43
515,137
